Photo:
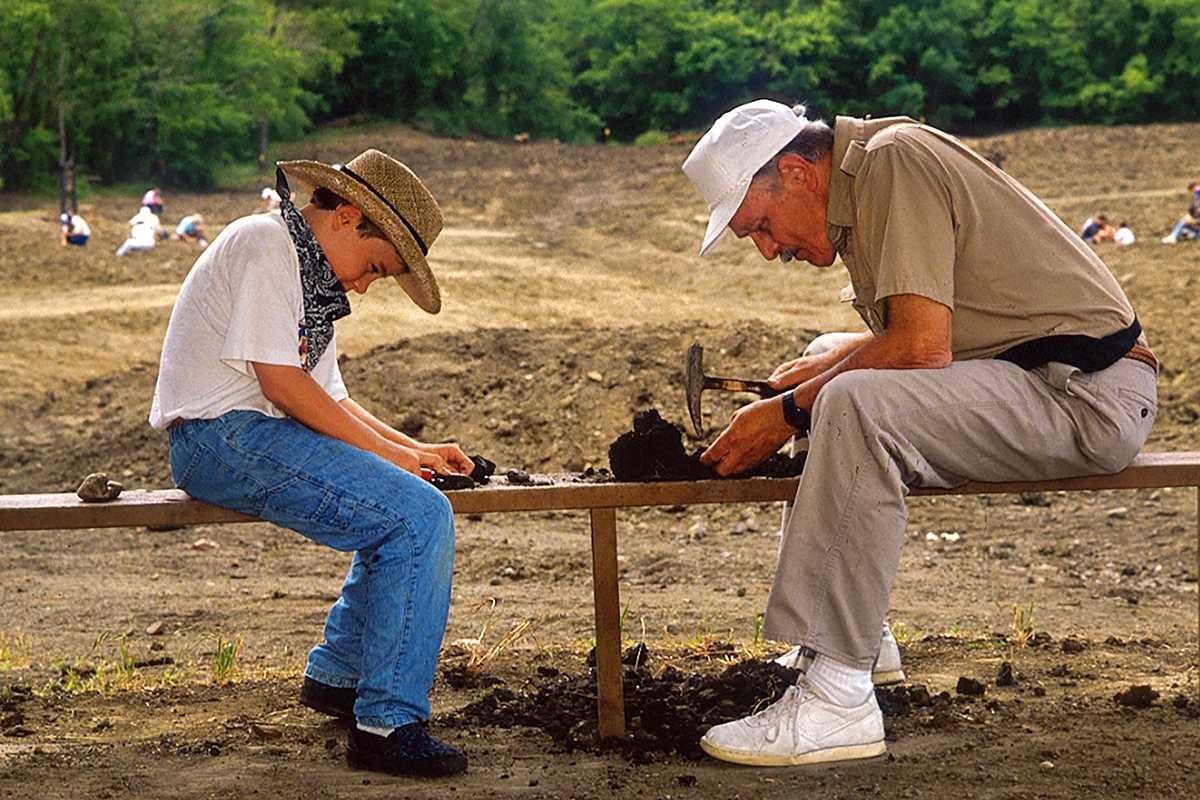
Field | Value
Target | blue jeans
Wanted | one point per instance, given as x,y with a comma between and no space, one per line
383,634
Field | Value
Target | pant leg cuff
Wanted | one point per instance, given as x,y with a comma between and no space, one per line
330,679
387,720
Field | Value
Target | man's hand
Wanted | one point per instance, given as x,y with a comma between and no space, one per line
754,433
792,373
448,459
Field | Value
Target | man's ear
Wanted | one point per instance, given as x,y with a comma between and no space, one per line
795,170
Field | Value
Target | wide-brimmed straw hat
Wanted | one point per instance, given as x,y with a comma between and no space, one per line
391,196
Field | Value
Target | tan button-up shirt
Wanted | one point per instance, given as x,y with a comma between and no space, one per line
913,210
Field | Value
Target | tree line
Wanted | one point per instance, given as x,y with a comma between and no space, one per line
170,90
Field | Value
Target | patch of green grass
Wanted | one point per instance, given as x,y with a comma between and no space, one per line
1022,625
225,659
651,138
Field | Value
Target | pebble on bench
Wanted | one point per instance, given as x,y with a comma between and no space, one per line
97,488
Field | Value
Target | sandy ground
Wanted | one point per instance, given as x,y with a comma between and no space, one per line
571,290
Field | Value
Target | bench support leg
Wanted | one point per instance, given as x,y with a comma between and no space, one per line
611,696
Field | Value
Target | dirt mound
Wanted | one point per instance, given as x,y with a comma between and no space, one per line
667,709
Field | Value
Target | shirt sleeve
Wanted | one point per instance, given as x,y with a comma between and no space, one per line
266,307
328,374
904,207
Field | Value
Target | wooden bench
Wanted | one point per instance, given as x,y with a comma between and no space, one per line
174,507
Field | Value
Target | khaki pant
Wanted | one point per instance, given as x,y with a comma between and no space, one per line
877,432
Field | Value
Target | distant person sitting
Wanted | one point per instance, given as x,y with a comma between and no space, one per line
1097,229
143,232
191,229
153,200
1124,236
269,201
1188,226
75,230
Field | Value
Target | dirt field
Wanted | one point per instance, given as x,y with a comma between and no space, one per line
571,290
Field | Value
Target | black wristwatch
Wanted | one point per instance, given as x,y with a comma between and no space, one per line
794,415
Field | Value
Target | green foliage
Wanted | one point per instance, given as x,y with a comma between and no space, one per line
175,91
225,659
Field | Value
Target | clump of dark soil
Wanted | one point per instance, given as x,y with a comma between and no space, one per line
654,451
667,709
1141,696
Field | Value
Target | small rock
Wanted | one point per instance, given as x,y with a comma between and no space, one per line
518,477
951,536
156,628
1047,765
1073,645
738,529
1004,677
1120,512
595,376
97,488
741,592
1141,696
697,531
204,544
970,686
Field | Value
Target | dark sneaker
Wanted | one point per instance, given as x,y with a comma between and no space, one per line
408,750
334,701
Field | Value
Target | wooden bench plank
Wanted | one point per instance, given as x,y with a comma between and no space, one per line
174,507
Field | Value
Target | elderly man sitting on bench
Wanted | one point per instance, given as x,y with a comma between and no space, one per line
999,349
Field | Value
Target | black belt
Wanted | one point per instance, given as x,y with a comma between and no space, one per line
1087,353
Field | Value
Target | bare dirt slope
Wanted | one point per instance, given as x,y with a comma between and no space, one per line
572,289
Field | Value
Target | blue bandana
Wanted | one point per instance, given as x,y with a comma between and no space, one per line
324,297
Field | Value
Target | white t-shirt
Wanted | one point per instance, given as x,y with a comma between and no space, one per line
79,227
241,302
144,226
1124,236
272,198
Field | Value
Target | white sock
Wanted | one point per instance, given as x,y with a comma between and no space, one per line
840,684
374,730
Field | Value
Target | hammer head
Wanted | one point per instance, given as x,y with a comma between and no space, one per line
694,385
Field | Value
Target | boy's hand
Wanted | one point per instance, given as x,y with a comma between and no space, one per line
447,459
406,458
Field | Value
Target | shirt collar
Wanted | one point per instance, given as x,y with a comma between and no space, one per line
847,132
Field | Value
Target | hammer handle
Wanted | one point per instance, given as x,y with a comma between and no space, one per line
760,388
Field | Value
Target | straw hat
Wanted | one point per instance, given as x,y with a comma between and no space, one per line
391,196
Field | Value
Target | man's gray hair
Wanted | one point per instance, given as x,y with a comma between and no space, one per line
813,141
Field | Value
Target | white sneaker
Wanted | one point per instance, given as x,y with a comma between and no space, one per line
885,671
1169,240
799,728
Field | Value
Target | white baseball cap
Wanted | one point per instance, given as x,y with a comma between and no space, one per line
724,161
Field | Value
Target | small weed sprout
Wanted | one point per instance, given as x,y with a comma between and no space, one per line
902,633
225,659
13,651
758,628
480,658
1022,625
